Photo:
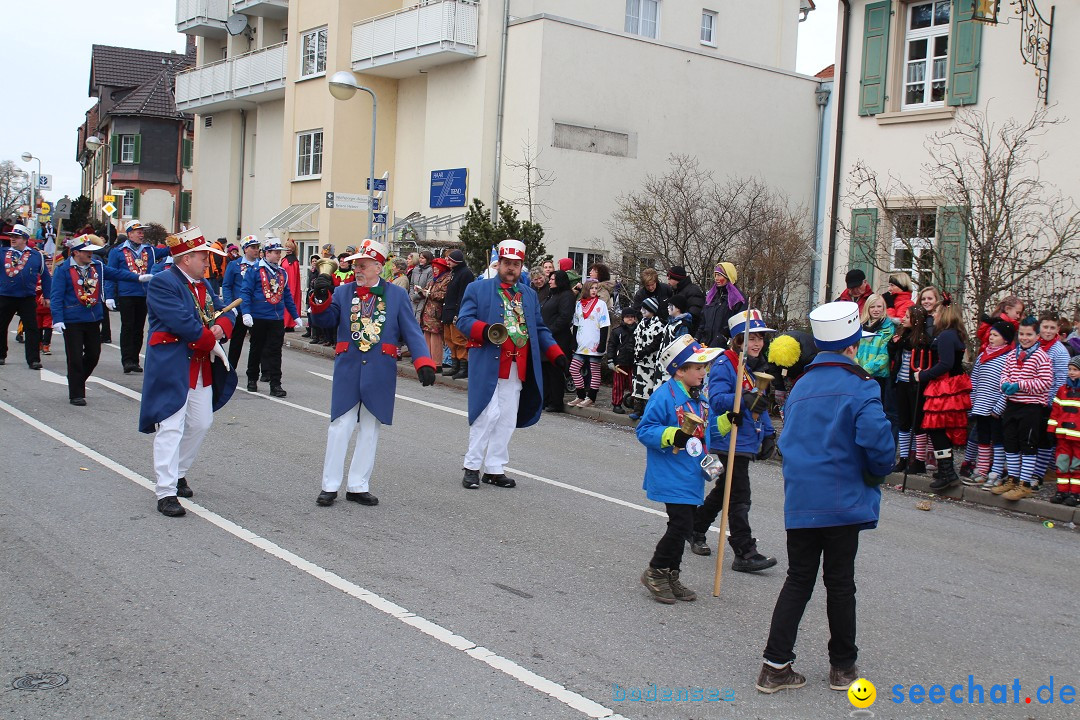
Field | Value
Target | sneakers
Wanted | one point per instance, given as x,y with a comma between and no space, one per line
46,349
1008,485
658,581
992,481
587,402
752,563
471,480
772,679
183,489
277,391
575,402
499,480
1059,497
1021,491
974,480
680,591
698,544
842,679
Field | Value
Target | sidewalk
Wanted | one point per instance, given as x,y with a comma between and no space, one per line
920,484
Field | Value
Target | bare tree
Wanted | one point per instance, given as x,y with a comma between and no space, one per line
14,188
533,177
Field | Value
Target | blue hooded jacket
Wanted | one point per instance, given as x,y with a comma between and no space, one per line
837,446
722,399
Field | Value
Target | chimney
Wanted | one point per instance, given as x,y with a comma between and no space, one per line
190,52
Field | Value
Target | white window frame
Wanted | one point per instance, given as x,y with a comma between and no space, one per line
636,21
921,246
127,205
127,149
930,36
709,20
307,162
313,48
588,258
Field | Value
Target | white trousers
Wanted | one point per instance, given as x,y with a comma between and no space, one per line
179,437
337,444
489,436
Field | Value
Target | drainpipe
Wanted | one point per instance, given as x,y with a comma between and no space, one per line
838,144
240,184
821,95
499,117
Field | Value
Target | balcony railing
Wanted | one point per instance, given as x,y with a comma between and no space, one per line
256,76
205,18
398,44
262,8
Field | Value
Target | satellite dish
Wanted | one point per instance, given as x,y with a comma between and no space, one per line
237,24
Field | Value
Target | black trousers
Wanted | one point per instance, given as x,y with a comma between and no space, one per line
26,309
806,547
82,344
680,524
236,342
106,327
554,384
988,430
742,540
906,398
1022,425
267,337
132,321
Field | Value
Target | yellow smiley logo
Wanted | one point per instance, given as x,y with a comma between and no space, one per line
862,693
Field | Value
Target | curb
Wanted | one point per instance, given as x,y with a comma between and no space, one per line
1040,509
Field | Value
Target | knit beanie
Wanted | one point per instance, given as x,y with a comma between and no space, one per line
566,264
1074,361
679,302
677,272
651,305
1005,330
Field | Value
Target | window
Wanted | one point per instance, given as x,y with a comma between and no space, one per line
643,17
127,148
708,28
926,54
913,245
584,259
313,53
309,154
185,206
129,203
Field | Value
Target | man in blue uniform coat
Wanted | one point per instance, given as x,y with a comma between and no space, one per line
371,318
506,387
266,296
838,447
231,288
23,267
130,297
182,387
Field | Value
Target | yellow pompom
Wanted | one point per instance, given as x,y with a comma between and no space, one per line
784,351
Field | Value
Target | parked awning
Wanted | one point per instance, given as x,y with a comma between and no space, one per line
295,218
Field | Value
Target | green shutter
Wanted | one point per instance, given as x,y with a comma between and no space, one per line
186,148
138,149
874,58
864,223
114,147
965,46
185,206
134,203
950,256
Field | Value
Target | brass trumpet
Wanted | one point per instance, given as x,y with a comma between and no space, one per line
497,333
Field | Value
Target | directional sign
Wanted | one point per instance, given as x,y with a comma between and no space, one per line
380,218
109,209
350,201
44,182
449,187
380,184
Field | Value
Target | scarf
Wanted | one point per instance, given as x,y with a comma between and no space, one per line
995,352
1022,355
1047,344
587,306
874,326
734,296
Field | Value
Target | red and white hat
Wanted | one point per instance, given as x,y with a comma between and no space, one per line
370,250
190,240
513,249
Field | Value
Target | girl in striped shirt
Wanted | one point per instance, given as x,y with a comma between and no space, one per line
987,404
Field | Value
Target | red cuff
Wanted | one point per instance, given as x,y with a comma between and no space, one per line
553,352
318,306
476,333
205,343
424,362
226,325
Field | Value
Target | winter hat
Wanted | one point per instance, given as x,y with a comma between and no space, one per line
631,312
1005,330
901,280
677,272
651,304
456,257
854,278
679,302
566,264
728,270
1074,361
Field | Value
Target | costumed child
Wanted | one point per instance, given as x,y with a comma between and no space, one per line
620,356
873,353
987,404
591,324
44,320
1050,342
1065,424
755,436
673,431
1008,310
648,337
911,353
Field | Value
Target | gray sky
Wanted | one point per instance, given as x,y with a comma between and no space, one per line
49,71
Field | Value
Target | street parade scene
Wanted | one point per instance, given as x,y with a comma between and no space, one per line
625,422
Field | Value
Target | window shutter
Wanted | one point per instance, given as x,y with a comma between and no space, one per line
864,223
114,147
950,264
185,206
138,149
134,203
186,152
965,47
874,58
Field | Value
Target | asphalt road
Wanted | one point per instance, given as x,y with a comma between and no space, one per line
442,602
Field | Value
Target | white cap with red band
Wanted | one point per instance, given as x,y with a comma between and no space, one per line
191,240
371,250
512,249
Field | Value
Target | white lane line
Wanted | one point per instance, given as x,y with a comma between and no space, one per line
537,682
133,394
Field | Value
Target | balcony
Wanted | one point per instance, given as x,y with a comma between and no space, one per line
257,76
400,44
205,18
276,9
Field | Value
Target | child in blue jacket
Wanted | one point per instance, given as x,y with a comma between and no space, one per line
673,472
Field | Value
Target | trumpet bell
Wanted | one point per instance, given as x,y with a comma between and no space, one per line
497,333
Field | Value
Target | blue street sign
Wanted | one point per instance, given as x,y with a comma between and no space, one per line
380,218
449,187
380,184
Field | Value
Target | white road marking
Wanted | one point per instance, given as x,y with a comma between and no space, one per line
570,698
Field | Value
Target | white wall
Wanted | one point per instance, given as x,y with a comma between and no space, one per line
157,206
214,189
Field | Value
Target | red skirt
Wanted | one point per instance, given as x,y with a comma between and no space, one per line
946,404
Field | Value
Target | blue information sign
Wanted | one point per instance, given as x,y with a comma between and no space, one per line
449,187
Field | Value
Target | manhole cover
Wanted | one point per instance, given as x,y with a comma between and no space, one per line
40,681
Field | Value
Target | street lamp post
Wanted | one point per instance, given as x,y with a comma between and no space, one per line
93,144
343,86
27,157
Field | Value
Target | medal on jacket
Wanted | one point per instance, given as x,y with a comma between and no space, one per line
367,318
86,285
13,268
206,311
273,287
135,263
514,317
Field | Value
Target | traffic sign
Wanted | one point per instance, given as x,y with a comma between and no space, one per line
109,209
380,218
45,208
350,201
44,182
380,184
109,198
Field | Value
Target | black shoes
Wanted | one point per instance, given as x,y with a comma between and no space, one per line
252,386
170,507
752,563
463,373
454,368
916,467
36,365
3,361
698,545
277,391
326,498
264,378
183,489
499,480
471,481
81,402
901,465
314,341
946,476
364,498
618,409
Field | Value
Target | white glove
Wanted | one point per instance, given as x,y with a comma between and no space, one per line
111,304
300,323
219,352
146,277
248,320
58,327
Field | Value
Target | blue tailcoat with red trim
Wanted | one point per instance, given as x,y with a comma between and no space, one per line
171,312
480,307
369,377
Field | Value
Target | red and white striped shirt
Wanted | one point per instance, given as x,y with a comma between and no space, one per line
1032,371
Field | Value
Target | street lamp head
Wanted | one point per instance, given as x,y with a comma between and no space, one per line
93,143
27,157
343,85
